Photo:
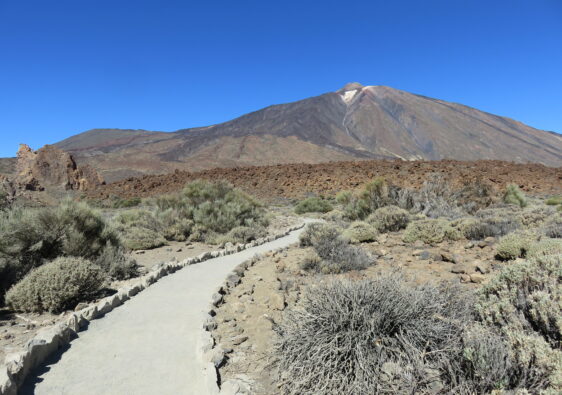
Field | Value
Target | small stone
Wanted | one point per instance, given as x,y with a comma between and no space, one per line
436,257
232,280
179,250
482,267
460,269
457,258
424,255
469,245
477,278
446,256
236,340
419,244
277,301
80,306
465,278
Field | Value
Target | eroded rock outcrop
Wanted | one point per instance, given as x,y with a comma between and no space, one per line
51,166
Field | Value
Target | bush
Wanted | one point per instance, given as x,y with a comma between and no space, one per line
56,286
213,208
370,337
31,237
313,205
117,264
430,231
315,231
127,203
535,216
240,234
172,225
436,199
513,195
139,229
496,222
554,201
514,245
553,228
375,194
335,253
343,197
389,219
523,303
544,248
359,232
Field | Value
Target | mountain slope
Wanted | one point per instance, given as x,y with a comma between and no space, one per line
355,122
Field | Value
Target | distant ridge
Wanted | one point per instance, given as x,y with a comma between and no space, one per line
354,122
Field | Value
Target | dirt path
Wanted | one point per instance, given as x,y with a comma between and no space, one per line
148,345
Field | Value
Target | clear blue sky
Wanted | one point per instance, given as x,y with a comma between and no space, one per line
73,65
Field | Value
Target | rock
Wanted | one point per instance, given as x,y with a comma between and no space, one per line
490,240
277,301
80,306
424,255
460,269
436,257
465,278
469,245
216,356
232,280
51,166
237,340
210,324
477,278
419,244
457,258
7,384
482,267
447,256
216,299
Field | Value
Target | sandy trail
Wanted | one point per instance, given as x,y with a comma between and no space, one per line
148,345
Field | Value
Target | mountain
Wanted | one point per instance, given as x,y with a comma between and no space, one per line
355,122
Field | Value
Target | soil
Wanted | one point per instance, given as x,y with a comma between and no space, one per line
246,318
292,181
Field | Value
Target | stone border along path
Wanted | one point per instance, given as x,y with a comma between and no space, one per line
213,356
152,345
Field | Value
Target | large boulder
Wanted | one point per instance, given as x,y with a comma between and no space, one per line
51,166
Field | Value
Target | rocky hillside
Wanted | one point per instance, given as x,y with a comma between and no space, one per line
355,122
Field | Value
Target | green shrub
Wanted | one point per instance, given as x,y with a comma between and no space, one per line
515,245
213,208
534,216
173,225
554,201
139,229
30,237
389,219
359,232
430,231
545,247
523,303
513,195
344,197
313,205
377,336
56,286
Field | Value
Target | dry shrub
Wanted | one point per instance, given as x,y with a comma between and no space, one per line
523,303
371,337
335,253
117,264
534,216
389,219
360,232
56,286
430,231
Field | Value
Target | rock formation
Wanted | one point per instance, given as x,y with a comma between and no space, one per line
51,166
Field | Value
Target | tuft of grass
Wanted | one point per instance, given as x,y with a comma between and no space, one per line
554,201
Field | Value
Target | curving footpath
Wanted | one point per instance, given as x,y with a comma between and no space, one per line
150,344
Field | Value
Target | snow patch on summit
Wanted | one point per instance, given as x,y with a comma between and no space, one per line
348,96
